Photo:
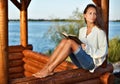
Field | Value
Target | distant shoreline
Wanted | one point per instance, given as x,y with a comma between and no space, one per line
114,20
55,20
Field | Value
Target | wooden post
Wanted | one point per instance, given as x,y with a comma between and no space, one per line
3,41
104,5
22,6
23,24
105,10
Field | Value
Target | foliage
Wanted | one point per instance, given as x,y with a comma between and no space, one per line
54,31
71,26
114,50
76,15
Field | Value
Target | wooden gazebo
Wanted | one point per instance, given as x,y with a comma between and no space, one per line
19,62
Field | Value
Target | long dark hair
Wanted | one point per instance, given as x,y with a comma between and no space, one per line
99,18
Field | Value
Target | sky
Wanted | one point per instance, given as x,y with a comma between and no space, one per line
48,9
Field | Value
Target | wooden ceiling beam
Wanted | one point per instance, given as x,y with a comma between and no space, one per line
97,2
19,4
27,3
16,3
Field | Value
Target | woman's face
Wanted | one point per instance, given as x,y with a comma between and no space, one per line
90,15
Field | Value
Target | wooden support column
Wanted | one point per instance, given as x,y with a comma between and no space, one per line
23,24
104,6
105,10
22,6
3,41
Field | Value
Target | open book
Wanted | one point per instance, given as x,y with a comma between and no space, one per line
71,36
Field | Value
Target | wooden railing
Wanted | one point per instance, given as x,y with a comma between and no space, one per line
16,69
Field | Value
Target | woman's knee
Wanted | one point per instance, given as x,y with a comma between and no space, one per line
73,44
63,41
69,41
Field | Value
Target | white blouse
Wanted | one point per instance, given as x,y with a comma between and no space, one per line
96,44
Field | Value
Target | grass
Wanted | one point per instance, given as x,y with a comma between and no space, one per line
114,50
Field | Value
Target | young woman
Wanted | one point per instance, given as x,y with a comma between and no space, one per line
89,55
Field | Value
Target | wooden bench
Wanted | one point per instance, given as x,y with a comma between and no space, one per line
66,73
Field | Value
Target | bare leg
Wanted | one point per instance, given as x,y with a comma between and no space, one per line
56,51
66,50
59,58
54,55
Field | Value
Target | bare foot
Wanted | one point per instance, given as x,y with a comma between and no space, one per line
43,73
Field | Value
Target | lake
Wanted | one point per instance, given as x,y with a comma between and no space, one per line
114,29
37,30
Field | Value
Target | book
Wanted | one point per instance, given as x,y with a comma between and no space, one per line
71,36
